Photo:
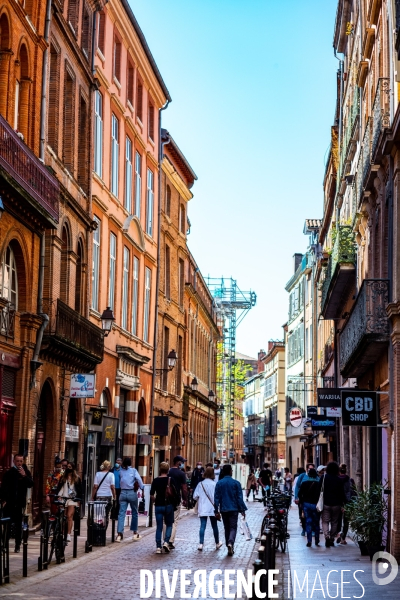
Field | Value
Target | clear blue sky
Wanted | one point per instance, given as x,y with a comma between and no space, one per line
253,97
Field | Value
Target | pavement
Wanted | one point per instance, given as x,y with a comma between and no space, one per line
114,571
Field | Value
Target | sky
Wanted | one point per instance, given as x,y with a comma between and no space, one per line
253,96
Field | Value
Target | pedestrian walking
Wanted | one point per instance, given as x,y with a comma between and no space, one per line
288,478
130,481
104,488
70,487
334,500
14,487
228,502
117,471
265,479
308,497
349,492
223,472
217,469
197,475
204,494
164,507
52,481
302,477
321,470
251,485
179,479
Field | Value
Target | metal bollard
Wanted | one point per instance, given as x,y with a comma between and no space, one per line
89,538
77,527
44,541
25,535
273,546
267,553
4,550
258,564
151,513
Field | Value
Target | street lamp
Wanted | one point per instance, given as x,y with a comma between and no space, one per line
172,358
107,320
194,385
211,396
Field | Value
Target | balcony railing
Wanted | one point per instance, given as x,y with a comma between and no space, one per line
380,110
27,170
364,163
7,318
348,133
366,333
339,271
72,339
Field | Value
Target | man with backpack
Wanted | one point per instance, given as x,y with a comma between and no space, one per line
178,479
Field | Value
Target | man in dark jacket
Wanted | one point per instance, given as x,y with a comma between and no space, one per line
16,482
228,500
197,476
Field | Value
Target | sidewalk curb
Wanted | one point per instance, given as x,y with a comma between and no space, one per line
39,576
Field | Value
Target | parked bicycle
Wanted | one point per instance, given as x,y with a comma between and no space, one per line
277,514
57,530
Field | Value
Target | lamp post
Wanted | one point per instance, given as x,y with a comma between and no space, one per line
107,320
194,384
172,358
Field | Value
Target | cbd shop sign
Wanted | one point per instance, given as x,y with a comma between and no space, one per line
359,408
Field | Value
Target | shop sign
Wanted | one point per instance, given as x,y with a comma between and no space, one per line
333,411
322,422
295,417
312,410
328,397
72,433
359,408
109,433
82,385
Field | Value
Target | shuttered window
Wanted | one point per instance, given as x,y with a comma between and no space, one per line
138,183
98,133
69,122
102,32
150,202
73,12
135,294
117,59
151,121
167,272
139,100
114,155
86,29
130,83
83,154
181,275
8,383
128,175
147,292
113,260
54,98
168,202
125,289
182,215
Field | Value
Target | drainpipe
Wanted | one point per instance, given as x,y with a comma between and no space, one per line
44,82
35,363
161,145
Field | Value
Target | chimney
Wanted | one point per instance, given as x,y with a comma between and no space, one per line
297,260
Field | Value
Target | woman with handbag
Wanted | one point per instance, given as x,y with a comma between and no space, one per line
204,494
251,485
162,493
104,487
70,487
308,498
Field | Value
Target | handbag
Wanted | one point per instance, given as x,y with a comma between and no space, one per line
320,503
100,484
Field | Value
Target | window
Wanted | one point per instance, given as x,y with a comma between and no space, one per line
117,59
150,202
96,265
54,94
114,155
179,366
98,133
102,31
181,275
130,90
138,183
168,202
139,100
147,288
83,155
165,359
182,219
128,175
69,123
270,386
151,121
85,37
73,11
8,278
125,289
135,294
167,272
113,259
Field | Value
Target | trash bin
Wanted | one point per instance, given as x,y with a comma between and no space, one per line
97,522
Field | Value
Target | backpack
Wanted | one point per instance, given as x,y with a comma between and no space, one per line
171,494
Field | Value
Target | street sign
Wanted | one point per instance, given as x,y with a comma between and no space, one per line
295,417
321,422
312,410
359,408
82,385
328,397
333,411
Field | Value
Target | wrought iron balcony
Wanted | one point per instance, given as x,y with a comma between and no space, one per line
364,162
23,167
7,317
71,340
366,332
380,111
340,273
350,128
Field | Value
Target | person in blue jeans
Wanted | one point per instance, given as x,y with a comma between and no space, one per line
164,510
130,482
228,502
308,496
204,494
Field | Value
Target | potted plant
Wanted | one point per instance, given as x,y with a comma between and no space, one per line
367,514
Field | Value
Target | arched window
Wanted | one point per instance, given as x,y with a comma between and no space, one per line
9,278
22,90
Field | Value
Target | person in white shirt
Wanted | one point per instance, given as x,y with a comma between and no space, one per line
104,483
130,483
217,469
204,494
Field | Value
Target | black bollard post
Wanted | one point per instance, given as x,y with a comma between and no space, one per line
151,513
77,522
25,534
89,538
45,525
273,547
4,550
258,564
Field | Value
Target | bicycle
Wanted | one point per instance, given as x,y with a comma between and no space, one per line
57,532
